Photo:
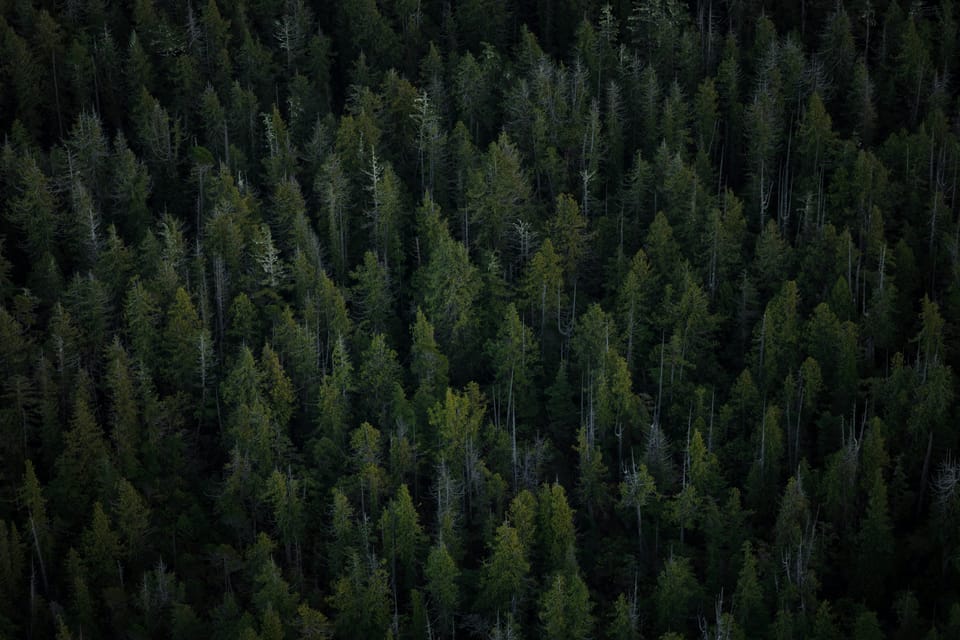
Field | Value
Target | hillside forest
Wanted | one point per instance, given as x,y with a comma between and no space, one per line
422,319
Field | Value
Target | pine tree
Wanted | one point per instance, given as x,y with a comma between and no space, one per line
23,72
455,425
875,542
565,608
401,531
367,453
867,627
83,468
381,388
913,65
449,287
34,210
748,605
12,571
334,189
624,620
277,389
514,358
385,216
676,592
125,422
498,197
544,292
101,548
313,624
555,530
427,364
634,298
132,516
636,491
37,524
188,345
361,600
504,575
335,391
373,294
442,575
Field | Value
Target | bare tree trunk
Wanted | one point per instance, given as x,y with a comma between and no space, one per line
36,544
511,415
925,473
56,90
656,415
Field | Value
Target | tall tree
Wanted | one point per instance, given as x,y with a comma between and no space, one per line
565,608
503,578
677,590
875,541
442,575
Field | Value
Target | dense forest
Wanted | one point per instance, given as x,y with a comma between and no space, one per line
420,319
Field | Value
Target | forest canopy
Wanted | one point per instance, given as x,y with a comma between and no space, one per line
421,319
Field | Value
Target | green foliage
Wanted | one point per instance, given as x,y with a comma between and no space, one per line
13,556
33,501
636,491
372,293
361,600
875,541
557,538
677,590
83,468
748,602
504,576
34,210
543,289
428,365
133,521
568,230
442,577
401,532
565,608
867,627
313,624
188,346
284,496
101,547
449,287
623,623
514,357
424,319
380,381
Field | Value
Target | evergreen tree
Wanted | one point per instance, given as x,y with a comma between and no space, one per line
557,539
504,576
37,522
565,608
676,592
623,625
83,468
428,365
748,605
875,542
401,535
101,547
442,576
449,287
